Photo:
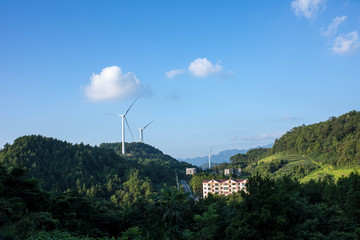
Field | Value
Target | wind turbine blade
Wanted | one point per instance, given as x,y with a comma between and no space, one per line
211,150
116,115
131,106
129,129
148,124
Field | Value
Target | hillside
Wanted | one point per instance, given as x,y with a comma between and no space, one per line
95,171
335,141
157,165
310,152
221,157
271,209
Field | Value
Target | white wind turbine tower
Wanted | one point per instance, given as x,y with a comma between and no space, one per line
141,131
123,117
210,154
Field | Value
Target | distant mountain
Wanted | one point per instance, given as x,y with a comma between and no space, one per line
221,157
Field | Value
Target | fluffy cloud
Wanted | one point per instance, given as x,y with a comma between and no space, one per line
112,83
174,72
202,67
307,8
346,44
333,26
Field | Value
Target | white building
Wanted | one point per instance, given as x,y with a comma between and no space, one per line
223,187
228,171
190,171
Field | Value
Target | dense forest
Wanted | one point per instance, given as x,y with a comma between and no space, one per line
271,209
95,171
335,141
159,167
307,152
50,189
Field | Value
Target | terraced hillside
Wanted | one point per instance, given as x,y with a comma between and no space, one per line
329,148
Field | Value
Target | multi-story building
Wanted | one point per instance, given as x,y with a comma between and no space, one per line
190,171
223,187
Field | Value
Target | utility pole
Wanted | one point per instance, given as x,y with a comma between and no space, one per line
177,180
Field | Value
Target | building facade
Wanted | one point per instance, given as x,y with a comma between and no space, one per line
228,171
190,171
223,187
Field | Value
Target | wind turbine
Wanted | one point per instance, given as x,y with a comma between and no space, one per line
210,154
123,117
141,131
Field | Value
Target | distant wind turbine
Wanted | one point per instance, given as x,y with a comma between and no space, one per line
123,117
210,154
141,131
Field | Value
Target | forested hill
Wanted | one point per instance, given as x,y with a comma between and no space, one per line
136,149
95,171
157,165
62,166
335,141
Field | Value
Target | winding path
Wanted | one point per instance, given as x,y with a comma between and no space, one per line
186,188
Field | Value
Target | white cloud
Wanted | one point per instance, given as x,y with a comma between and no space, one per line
333,26
112,83
264,136
346,44
308,8
202,67
174,72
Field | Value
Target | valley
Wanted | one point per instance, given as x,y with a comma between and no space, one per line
58,190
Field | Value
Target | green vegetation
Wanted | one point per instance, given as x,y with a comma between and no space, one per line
335,141
156,165
307,152
280,165
328,170
63,166
242,160
302,188
272,209
95,171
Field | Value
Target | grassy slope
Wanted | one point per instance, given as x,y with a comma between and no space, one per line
271,158
296,160
329,170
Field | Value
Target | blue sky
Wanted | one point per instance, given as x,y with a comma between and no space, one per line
228,74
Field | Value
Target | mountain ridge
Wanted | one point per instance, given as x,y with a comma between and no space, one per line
92,170
221,157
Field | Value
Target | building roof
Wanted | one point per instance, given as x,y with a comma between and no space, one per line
225,180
